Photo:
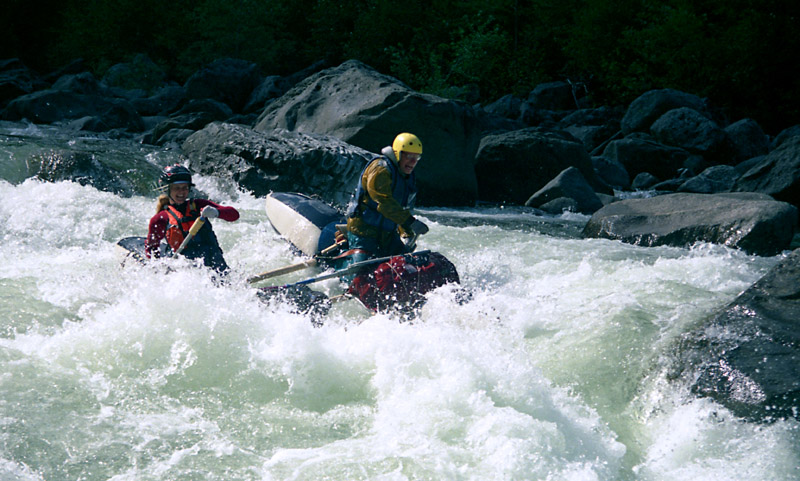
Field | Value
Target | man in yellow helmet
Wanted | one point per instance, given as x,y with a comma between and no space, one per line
380,211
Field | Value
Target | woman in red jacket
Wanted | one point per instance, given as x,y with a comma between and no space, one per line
175,214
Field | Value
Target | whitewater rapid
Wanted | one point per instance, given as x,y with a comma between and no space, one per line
556,369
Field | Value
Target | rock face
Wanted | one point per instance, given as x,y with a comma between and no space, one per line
690,130
747,140
754,223
640,154
504,152
713,180
226,80
511,166
553,96
280,160
569,184
777,175
16,79
362,107
651,105
139,73
747,356
107,171
49,106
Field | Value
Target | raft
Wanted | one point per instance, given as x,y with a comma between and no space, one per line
132,248
310,226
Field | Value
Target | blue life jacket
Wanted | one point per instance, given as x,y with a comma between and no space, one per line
404,190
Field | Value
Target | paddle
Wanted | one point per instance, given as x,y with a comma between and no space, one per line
294,267
192,232
351,269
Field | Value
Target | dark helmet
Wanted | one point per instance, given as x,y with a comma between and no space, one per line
175,174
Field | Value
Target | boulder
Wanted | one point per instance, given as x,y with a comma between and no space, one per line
507,106
84,83
533,117
489,123
75,66
91,124
743,167
590,135
191,121
688,129
746,140
747,355
784,135
16,79
559,205
553,96
644,181
713,180
244,119
164,101
640,153
601,116
593,127
469,93
777,175
651,105
278,160
214,108
362,107
606,199
270,88
611,172
755,223
193,115
49,106
227,80
131,95
511,165
297,77
670,185
131,175
140,73
176,136
569,184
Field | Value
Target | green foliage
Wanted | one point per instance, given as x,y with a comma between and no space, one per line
733,51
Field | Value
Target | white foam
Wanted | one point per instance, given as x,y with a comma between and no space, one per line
543,374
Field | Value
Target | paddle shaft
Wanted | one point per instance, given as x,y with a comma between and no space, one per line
282,270
294,267
351,269
192,232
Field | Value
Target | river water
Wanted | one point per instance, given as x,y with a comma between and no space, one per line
556,369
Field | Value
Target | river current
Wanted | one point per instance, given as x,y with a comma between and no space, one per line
557,368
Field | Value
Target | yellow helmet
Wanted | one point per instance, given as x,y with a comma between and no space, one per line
406,142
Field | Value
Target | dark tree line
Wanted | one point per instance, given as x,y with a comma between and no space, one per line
739,53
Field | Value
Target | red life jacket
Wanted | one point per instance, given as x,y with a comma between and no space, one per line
180,223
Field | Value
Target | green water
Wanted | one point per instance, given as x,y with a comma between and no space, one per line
556,369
